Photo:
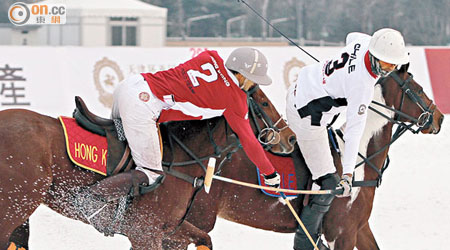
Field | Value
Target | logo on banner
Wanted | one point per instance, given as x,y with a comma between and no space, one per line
291,71
21,14
107,75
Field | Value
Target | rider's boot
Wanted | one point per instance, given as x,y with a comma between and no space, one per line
312,214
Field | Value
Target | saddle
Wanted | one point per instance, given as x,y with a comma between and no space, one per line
119,155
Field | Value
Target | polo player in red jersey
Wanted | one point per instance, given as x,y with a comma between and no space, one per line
201,88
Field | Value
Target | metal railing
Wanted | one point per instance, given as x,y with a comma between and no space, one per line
281,40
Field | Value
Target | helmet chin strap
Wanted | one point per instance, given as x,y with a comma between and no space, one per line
243,84
376,67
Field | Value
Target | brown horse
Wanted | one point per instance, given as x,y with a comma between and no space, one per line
400,100
36,169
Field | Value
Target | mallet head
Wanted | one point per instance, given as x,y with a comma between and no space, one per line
209,173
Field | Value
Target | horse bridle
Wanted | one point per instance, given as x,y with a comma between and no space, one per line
425,119
271,129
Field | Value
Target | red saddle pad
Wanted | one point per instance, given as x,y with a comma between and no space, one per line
85,149
285,167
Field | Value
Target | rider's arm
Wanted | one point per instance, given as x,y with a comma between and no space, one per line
358,101
252,147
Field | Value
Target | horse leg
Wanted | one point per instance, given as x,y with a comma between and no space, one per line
345,241
365,239
187,234
145,242
19,200
25,163
19,238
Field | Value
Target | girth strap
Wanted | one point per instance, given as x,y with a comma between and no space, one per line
168,166
195,181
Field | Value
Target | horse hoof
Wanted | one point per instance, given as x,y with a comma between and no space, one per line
13,246
199,248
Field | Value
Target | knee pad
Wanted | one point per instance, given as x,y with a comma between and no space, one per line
328,181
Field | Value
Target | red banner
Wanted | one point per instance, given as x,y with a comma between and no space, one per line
85,149
439,70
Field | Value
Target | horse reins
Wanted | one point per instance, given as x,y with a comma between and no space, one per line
424,120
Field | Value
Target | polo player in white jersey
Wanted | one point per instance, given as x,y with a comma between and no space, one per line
344,82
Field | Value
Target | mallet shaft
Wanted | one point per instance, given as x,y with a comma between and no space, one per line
225,179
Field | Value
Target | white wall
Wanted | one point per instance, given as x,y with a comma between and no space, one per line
94,31
90,30
70,32
71,35
5,35
34,37
54,37
152,32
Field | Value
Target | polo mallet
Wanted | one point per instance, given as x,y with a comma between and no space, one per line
210,176
299,221
277,30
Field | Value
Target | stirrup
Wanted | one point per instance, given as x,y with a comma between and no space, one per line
143,189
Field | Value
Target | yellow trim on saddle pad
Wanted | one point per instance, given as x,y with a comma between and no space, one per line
161,147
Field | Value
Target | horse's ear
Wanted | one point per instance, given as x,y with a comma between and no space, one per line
404,68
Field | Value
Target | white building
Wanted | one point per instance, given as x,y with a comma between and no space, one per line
96,23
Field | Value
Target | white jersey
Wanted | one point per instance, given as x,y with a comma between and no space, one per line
344,81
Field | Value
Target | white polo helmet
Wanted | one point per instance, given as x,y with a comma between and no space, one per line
251,63
388,46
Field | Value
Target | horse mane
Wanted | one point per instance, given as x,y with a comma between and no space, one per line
404,68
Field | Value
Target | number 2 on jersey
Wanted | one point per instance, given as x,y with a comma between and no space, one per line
194,74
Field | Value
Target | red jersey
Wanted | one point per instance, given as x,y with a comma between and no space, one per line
203,88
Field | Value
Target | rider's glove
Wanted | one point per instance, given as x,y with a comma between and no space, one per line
272,180
346,185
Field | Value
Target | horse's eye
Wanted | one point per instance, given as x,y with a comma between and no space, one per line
265,104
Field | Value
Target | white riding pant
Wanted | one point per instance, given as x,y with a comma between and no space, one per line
312,140
139,110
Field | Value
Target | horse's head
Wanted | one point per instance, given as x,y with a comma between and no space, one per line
412,105
273,132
